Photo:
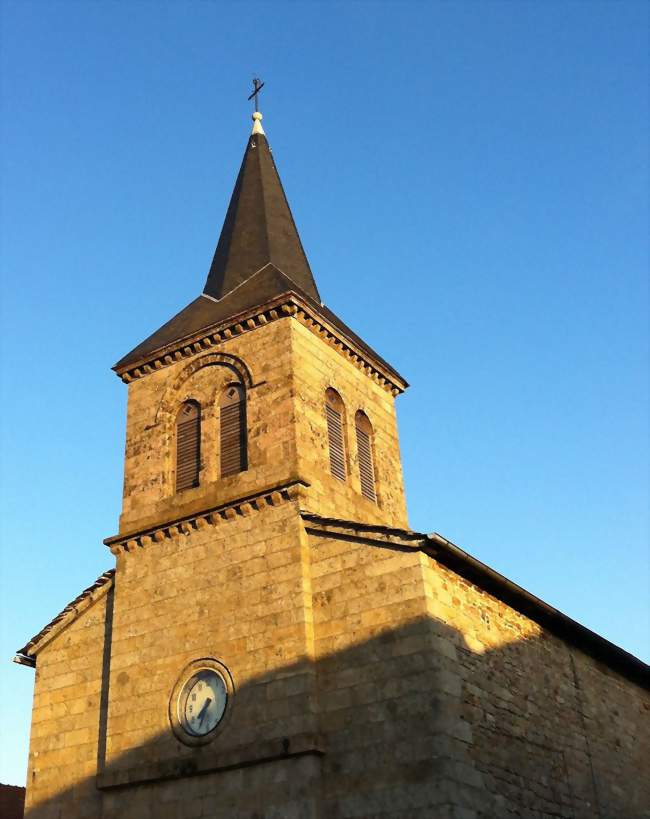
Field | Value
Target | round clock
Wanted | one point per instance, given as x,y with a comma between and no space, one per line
199,701
202,702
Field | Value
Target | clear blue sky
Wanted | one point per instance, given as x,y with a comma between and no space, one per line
470,182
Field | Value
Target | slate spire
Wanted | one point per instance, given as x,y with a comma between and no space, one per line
259,229
259,255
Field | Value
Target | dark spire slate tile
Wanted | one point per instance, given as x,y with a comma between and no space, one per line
258,229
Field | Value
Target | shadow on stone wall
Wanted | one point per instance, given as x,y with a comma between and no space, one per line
410,723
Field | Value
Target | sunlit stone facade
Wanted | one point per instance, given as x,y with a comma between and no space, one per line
366,670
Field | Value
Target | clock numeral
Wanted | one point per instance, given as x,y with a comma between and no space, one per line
193,697
191,709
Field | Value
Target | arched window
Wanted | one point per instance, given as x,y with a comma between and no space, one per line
335,413
188,445
363,429
232,418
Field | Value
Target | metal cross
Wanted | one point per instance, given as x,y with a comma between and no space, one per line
257,87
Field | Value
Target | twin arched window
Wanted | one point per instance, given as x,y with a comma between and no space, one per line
335,416
232,436
232,439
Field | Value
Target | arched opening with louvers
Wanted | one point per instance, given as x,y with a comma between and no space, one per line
188,445
365,456
232,430
335,416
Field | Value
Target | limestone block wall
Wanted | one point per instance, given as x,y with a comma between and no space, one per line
290,369
238,591
380,671
551,731
154,400
436,696
66,720
284,789
317,366
370,681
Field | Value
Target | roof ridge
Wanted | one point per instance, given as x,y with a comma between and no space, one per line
241,284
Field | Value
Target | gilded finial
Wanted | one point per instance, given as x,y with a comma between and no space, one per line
257,124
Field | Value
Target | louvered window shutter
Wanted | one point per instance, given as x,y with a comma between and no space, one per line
188,446
233,431
364,453
335,436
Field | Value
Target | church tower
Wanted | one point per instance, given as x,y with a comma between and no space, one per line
253,406
256,387
274,642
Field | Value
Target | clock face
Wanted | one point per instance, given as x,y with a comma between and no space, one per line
202,702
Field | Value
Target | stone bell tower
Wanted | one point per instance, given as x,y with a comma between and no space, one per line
260,325
251,405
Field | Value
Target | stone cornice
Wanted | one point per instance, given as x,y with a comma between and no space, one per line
290,304
212,516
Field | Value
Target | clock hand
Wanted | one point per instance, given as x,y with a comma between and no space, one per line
203,710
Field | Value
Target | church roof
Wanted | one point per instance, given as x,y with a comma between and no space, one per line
259,256
258,229
206,312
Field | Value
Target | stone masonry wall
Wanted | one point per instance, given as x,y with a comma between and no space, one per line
239,592
552,732
65,721
316,367
387,686
149,484
428,696
437,699
287,433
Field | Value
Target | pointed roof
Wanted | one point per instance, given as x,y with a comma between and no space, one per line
259,258
206,311
259,228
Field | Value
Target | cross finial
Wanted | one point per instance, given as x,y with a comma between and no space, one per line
257,117
257,87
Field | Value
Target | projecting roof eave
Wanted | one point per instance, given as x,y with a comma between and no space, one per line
27,654
489,580
194,326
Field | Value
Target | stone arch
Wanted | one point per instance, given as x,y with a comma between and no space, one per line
240,370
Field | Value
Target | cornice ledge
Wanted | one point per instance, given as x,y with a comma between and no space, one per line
212,516
336,338
371,533
289,304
